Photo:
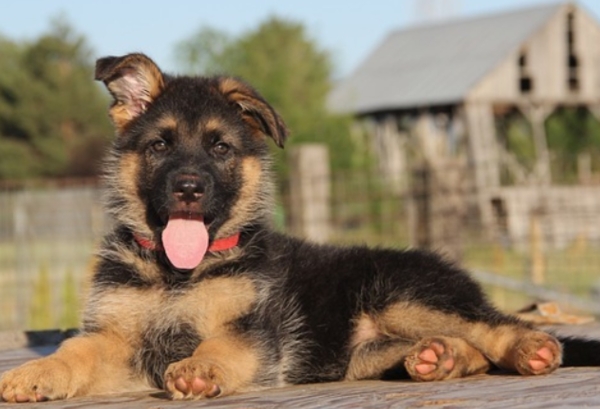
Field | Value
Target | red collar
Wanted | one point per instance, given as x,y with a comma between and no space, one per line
217,245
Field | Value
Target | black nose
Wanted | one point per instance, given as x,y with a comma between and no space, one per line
188,188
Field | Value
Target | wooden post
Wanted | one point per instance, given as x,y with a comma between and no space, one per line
23,277
584,168
484,156
389,146
538,264
438,208
310,192
419,208
537,116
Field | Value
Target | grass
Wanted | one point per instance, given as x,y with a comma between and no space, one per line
574,270
40,283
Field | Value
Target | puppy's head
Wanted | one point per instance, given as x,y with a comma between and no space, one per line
190,161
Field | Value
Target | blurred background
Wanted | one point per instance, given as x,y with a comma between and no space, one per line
466,127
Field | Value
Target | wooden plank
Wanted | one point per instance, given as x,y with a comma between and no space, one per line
564,388
567,387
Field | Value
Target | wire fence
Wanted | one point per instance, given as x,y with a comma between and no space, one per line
48,233
532,245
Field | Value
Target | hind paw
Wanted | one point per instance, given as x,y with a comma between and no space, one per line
430,360
538,354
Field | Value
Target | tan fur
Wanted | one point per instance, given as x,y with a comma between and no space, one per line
212,124
210,306
369,360
146,268
409,322
497,342
230,85
167,122
365,330
454,358
141,305
413,321
511,347
120,116
248,101
226,361
249,195
85,365
119,77
133,213
149,71
219,301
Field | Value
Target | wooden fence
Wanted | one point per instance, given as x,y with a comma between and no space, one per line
48,233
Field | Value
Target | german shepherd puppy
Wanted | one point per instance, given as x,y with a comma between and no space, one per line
194,292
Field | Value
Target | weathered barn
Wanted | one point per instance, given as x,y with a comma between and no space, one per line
436,91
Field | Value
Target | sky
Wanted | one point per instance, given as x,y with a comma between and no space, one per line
349,29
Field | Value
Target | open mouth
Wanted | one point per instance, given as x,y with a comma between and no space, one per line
185,239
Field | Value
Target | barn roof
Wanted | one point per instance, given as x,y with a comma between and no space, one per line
435,64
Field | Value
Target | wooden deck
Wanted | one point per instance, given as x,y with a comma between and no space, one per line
568,387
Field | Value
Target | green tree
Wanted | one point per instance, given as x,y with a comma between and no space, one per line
572,132
52,115
289,69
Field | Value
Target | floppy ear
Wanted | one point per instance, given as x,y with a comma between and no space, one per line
134,81
261,116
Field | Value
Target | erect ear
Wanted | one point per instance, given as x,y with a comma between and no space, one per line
261,116
134,81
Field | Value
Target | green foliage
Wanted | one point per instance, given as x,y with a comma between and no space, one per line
516,132
204,52
572,132
49,106
289,69
519,137
16,159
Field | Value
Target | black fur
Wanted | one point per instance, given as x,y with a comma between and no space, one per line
327,285
272,310
580,352
157,350
313,291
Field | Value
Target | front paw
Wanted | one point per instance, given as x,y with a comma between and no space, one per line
36,381
194,378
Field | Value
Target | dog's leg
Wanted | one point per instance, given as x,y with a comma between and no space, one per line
84,365
371,359
438,358
219,366
516,347
504,340
430,359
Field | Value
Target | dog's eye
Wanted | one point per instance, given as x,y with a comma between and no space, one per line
221,148
159,146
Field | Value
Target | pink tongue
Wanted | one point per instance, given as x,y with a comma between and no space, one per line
185,242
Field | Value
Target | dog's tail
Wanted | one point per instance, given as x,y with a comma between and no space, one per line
580,351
